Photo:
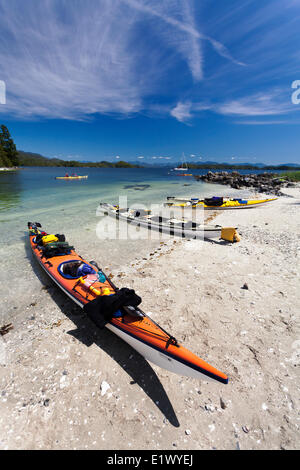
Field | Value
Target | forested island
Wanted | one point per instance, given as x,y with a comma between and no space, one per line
34,159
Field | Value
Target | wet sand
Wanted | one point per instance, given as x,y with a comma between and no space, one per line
66,385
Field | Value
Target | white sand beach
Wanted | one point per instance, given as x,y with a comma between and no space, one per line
66,385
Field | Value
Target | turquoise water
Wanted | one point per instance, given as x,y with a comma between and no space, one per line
34,193
34,190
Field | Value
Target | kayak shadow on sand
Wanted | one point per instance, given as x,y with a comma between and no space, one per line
218,242
128,358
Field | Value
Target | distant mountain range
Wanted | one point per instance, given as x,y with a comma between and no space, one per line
35,159
223,165
242,166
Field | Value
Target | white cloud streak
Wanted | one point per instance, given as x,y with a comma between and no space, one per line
182,112
66,61
187,26
255,105
61,59
271,103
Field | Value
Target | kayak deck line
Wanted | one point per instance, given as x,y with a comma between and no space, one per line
139,331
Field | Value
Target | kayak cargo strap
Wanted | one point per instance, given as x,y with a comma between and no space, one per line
172,341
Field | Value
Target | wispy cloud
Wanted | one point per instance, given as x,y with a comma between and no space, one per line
185,111
255,105
185,24
182,111
176,28
60,59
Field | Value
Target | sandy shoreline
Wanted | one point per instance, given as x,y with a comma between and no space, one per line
54,367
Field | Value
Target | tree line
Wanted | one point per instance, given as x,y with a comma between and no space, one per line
8,151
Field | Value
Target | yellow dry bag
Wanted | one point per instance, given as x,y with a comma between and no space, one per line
49,239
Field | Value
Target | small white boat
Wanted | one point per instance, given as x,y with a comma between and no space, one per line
183,166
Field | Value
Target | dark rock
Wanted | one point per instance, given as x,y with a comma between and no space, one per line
264,182
223,404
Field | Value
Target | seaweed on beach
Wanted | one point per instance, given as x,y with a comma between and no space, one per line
5,329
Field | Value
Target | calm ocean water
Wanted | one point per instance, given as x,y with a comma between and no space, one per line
33,194
33,190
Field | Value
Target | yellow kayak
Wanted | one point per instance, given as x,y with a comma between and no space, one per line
217,203
71,177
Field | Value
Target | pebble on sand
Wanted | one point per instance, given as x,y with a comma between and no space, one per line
104,387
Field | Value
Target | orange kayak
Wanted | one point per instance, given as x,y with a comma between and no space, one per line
133,326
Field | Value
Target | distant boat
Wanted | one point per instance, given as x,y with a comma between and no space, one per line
183,166
71,177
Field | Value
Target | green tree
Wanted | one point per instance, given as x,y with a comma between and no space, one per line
4,161
8,146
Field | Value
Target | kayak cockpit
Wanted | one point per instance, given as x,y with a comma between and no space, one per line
69,269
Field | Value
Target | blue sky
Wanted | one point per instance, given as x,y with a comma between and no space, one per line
148,80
